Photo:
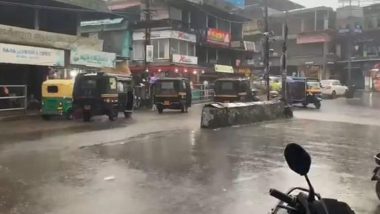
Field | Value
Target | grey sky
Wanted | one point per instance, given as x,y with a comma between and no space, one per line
316,3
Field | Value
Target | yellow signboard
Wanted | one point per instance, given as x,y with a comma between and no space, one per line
224,69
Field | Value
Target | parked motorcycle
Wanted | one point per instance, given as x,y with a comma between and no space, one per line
376,175
351,91
306,201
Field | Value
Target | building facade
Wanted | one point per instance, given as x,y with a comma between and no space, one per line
358,43
196,40
35,43
311,42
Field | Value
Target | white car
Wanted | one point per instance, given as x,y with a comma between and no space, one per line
333,88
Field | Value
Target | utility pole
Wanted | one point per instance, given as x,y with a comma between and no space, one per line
284,70
266,48
349,41
147,12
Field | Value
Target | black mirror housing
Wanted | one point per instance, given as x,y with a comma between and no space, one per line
298,159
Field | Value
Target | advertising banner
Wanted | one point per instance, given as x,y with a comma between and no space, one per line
166,34
185,59
218,37
224,69
315,38
20,54
91,58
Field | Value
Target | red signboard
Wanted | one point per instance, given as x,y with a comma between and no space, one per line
218,37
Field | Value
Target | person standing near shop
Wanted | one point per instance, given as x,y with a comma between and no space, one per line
4,92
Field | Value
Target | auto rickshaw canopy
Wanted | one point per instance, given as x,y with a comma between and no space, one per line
58,88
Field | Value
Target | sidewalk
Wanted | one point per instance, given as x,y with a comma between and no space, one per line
18,115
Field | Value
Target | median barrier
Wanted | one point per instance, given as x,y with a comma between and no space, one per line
218,115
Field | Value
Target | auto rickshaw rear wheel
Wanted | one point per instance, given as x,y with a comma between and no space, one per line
160,109
127,114
86,116
69,114
112,115
184,108
378,189
317,104
46,117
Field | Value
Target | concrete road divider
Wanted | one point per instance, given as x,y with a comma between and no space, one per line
228,114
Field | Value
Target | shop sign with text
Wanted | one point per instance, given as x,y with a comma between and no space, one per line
183,59
166,34
218,37
315,38
91,58
224,69
23,36
20,54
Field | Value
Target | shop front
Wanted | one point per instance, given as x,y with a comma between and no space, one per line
192,72
172,54
28,57
22,71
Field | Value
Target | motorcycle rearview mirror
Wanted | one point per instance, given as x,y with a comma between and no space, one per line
297,158
299,161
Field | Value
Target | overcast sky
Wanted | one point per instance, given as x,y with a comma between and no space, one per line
315,3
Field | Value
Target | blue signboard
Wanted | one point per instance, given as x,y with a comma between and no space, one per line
237,3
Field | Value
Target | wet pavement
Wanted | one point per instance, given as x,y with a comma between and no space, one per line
167,164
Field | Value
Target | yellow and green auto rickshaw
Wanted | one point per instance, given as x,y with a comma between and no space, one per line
57,98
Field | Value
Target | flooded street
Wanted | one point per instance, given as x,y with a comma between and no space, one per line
166,164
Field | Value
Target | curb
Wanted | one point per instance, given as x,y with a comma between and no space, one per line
18,117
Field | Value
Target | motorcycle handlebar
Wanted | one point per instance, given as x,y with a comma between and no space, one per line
282,197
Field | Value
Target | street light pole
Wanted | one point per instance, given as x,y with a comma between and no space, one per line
284,65
266,48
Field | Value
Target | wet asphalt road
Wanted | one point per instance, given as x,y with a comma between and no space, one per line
167,164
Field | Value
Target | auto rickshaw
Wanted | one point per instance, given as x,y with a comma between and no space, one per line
304,91
103,94
57,98
229,90
172,93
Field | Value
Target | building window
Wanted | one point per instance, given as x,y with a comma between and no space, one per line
202,55
52,89
191,49
223,25
183,47
212,55
211,22
236,31
186,17
175,13
160,48
138,50
174,46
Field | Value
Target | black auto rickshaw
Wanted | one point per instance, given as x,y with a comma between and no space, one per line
103,94
172,93
304,91
229,90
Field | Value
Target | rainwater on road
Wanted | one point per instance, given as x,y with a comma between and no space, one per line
167,164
